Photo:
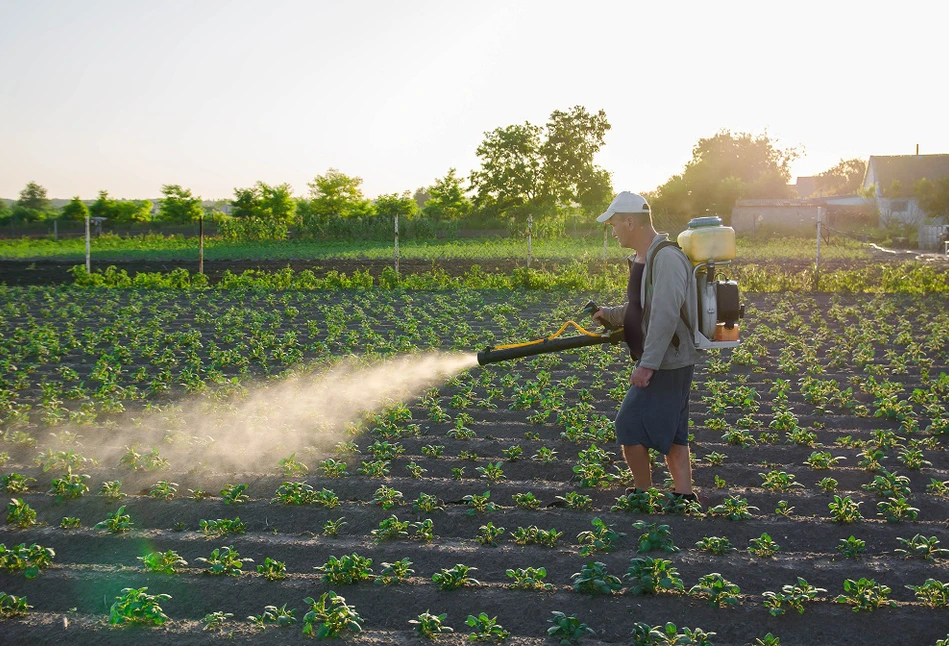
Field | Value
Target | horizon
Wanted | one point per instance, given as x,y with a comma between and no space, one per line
122,97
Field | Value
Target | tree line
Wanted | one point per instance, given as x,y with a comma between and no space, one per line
546,171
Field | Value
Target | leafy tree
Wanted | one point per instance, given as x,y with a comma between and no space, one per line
132,211
421,197
843,179
4,210
76,210
394,204
447,199
933,197
509,180
265,202
33,197
178,204
723,169
103,207
571,177
336,193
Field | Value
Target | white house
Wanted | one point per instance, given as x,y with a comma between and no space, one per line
893,178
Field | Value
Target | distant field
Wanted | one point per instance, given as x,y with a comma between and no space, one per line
176,248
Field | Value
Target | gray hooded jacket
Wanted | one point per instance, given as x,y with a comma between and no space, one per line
671,292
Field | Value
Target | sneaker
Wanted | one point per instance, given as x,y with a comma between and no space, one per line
692,497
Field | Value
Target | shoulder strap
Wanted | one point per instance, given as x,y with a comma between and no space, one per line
651,262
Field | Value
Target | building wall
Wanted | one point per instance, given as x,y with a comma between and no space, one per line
774,219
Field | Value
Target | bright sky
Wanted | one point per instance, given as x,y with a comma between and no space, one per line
127,96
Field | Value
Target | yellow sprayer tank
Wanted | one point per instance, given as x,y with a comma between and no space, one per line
706,239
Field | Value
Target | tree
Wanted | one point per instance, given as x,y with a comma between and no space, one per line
5,212
394,204
336,193
132,211
76,210
723,169
509,181
179,205
570,176
33,197
933,197
843,179
103,207
447,199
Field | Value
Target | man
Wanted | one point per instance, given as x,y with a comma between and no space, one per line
661,300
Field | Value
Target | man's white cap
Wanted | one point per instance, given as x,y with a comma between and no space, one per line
625,202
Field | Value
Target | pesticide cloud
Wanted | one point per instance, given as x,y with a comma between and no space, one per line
306,413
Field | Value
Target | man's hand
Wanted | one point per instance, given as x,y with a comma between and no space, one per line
599,317
641,377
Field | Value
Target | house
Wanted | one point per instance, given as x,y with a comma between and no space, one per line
799,216
893,178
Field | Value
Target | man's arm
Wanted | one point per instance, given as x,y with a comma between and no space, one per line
669,291
611,316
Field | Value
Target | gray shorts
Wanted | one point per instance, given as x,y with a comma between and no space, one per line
657,416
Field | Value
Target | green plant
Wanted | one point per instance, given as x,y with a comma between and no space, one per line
650,576
845,510
395,573
601,538
533,535
70,522
290,467
528,578
488,534
273,615
778,481
487,629
763,546
717,545
163,562
767,640
224,561
222,527
649,501
215,620
593,579
567,629
349,569
333,468
576,500
654,537
921,547
455,577
526,500
427,503
493,472
896,509
272,570
29,560
332,527
851,547
645,635
793,596
512,453
233,494
864,595
932,593
330,617
20,513
479,503
828,485
164,490
12,606
733,508
430,626
783,509
134,606
386,497
718,590
16,483
116,522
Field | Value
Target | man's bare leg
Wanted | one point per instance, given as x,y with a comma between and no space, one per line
637,458
680,468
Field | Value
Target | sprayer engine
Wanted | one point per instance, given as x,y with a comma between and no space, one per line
719,308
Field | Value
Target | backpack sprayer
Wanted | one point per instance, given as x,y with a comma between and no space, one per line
709,246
